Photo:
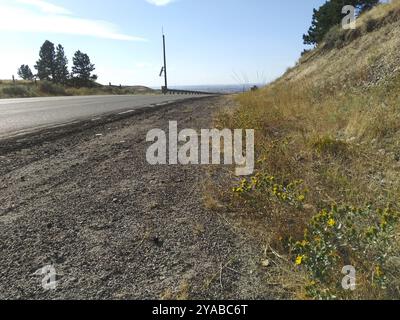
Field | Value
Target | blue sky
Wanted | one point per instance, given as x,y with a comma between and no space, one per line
208,41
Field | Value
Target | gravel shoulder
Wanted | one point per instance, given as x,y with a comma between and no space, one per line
83,199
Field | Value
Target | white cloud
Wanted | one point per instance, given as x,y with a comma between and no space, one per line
55,19
46,6
160,2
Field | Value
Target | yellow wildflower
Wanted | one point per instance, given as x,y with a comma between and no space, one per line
299,260
331,222
378,271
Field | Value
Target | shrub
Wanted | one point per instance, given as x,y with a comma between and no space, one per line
338,37
51,88
16,91
341,236
352,35
334,38
371,25
328,145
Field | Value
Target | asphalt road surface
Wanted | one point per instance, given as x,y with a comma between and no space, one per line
26,115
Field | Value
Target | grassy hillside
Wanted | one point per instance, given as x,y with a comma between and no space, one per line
24,89
327,187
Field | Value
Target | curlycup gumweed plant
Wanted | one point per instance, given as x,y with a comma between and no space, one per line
263,184
346,236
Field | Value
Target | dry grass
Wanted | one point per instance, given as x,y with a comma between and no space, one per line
328,123
182,292
356,62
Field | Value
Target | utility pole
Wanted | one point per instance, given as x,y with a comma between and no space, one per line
165,89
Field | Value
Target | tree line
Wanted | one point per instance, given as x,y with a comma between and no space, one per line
330,15
53,66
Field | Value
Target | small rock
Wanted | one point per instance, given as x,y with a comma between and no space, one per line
153,206
265,263
382,152
157,241
308,207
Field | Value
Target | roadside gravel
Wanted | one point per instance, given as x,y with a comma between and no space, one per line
83,199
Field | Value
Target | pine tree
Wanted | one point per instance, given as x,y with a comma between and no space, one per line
82,70
61,72
45,66
25,72
330,15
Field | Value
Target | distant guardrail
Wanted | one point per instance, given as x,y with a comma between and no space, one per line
176,91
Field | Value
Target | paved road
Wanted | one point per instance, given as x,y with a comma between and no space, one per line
25,115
